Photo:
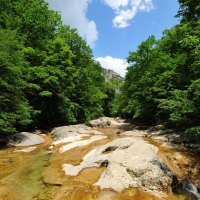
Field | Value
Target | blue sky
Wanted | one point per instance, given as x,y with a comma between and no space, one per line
113,28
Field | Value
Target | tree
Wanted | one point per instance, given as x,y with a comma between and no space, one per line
52,76
65,85
31,19
14,107
137,81
189,10
162,82
88,79
51,84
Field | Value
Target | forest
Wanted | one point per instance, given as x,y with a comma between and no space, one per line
50,77
162,85
48,73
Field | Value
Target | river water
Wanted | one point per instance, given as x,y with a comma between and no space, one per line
38,175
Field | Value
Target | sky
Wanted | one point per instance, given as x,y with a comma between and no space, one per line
113,28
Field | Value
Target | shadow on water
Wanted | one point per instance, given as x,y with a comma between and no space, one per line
3,142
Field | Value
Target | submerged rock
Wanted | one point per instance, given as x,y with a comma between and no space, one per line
25,139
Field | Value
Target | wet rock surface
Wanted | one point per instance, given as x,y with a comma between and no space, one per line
110,159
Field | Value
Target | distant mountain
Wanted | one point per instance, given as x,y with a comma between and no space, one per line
109,75
113,79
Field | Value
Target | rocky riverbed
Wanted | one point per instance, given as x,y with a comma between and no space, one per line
104,160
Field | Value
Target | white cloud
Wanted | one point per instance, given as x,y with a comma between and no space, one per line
74,14
116,4
116,64
126,10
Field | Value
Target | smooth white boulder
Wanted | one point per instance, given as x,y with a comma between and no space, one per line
72,138
81,143
131,162
64,131
25,139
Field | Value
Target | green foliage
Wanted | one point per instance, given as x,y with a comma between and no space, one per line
112,88
138,98
32,19
162,84
193,131
177,107
189,10
109,90
15,110
48,74
117,105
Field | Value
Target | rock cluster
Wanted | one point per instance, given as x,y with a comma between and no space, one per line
107,122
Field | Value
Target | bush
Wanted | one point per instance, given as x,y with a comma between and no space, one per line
193,131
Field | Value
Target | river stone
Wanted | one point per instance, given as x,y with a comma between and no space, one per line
72,133
101,122
136,166
25,139
96,157
134,163
66,131
106,122
70,138
94,132
81,143
135,133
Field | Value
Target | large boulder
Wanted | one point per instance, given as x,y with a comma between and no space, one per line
130,162
136,166
66,131
73,133
25,139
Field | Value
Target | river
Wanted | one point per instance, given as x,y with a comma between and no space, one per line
38,175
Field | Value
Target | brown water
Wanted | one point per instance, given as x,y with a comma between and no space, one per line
38,175
184,164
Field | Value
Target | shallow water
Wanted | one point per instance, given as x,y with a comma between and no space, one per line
38,175
184,164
